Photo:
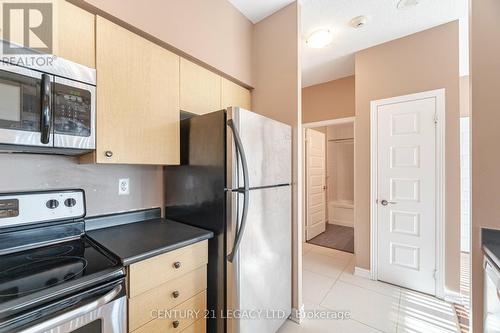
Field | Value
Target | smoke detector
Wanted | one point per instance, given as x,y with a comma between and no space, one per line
405,4
359,21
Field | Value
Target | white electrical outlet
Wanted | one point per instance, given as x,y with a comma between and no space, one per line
123,186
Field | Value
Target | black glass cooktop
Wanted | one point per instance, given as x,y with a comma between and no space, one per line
35,270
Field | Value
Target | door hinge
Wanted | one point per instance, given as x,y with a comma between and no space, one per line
436,119
435,274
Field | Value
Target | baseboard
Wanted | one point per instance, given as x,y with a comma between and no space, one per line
362,272
344,223
297,314
453,297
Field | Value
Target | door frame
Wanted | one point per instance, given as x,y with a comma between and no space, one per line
439,95
312,125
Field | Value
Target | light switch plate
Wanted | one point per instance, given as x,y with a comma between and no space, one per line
123,186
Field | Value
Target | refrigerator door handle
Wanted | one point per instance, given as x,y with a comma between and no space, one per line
245,190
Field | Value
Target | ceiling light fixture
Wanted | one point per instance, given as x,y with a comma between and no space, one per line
404,4
319,38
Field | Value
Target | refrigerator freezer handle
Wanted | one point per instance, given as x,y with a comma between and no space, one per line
244,190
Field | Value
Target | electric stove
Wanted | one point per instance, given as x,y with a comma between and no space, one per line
48,267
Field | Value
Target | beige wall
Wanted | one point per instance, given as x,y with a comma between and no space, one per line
485,76
213,32
276,75
28,172
424,61
329,100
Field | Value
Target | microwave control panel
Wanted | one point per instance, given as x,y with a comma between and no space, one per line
72,111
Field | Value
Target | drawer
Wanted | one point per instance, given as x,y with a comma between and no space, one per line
151,273
162,297
188,313
199,326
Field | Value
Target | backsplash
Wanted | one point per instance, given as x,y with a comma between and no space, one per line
24,172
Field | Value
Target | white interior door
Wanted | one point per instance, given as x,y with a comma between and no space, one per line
316,183
406,198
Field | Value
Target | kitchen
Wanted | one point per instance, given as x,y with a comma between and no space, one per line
84,245
140,193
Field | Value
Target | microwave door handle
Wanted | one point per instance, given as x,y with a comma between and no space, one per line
46,104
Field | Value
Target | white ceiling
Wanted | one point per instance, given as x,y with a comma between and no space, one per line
386,23
256,10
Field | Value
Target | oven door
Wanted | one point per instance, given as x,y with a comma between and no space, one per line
25,107
102,311
74,114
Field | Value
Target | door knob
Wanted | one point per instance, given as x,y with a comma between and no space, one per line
175,294
177,264
175,323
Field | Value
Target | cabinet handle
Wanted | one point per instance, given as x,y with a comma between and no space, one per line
108,153
177,264
175,294
175,323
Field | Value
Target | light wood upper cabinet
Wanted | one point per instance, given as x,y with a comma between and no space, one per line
199,89
137,98
74,34
235,95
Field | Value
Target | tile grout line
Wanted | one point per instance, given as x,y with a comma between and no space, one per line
398,298
360,322
335,282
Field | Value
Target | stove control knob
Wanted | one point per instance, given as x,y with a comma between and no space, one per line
52,204
70,202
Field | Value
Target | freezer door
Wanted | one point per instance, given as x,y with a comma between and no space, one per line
267,145
259,278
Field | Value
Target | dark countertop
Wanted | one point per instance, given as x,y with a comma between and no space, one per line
137,241
491,244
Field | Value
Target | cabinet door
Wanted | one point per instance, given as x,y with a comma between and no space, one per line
137,98
235,95
74,33
200,89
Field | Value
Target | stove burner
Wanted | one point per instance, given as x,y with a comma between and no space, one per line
43,273
59,251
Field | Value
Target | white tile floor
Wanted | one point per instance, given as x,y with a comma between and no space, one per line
329,285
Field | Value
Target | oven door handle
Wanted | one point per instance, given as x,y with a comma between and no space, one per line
65,317
45,116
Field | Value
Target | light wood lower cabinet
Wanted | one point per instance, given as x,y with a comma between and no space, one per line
166,296
151,273
179,318
167,293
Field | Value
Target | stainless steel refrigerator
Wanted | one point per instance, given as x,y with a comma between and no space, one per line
235,179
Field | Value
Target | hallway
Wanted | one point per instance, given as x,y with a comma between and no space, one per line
330,285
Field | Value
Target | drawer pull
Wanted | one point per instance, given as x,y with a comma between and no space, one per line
175,324
175,294
177,264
